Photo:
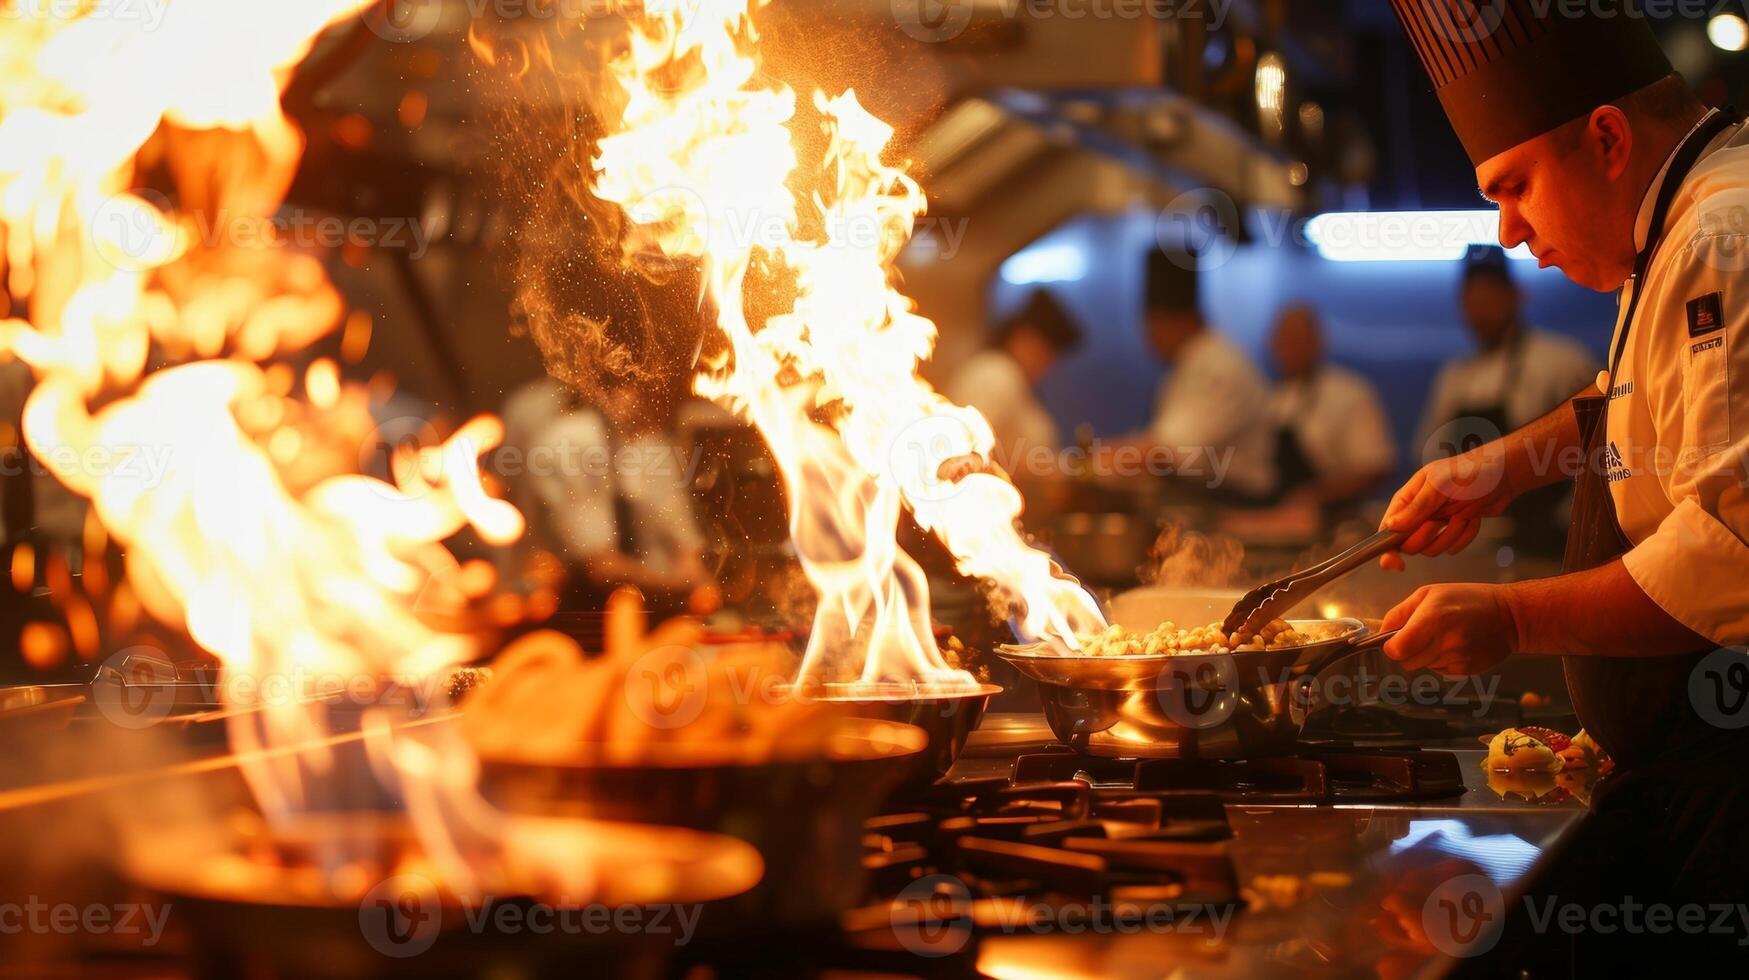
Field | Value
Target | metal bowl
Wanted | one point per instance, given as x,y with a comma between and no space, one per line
948,716
805,816
1190,706
261,909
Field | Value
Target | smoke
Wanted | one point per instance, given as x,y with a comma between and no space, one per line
603,314
1183,558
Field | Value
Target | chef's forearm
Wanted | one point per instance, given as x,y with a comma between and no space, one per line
1601,612
1542,452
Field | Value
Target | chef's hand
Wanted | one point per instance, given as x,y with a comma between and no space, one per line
1453,629
1442,506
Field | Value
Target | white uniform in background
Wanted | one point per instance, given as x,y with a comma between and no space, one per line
572,475
1339,420
1678,450
991,382
1527,378
1216,399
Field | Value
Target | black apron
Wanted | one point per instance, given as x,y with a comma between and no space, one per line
1635,707
1293,467
1533,513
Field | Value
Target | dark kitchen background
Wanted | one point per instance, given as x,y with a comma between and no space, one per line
1049,147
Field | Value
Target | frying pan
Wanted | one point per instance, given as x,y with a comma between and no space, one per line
1193,706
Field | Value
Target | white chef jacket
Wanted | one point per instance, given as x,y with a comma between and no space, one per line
1544,370
1678,437
1339,420
1215,399
993,383
570,473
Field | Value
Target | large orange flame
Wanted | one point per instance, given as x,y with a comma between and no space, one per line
256,531
702,159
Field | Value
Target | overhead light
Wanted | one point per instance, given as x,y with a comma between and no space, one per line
1044,263
1728,32
1405,236
1272,87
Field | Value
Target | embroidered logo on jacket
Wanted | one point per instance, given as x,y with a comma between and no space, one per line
1706,314
1615,469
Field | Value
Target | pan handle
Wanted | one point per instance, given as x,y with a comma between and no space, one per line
1371,641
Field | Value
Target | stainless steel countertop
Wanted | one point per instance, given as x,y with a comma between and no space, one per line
1369,880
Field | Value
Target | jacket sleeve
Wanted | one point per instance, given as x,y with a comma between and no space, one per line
1696,561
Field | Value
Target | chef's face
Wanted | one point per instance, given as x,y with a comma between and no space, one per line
1169,331
1563,194
1296,344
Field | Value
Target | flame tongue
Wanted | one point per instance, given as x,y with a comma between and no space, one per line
704,168
236,495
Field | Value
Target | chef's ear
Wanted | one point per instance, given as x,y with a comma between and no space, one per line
1610,136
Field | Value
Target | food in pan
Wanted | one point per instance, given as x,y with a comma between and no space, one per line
1169,639
655,696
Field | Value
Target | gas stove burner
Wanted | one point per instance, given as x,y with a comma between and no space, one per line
1317,774
972,855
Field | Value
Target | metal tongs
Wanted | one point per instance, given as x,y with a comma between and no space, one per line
1273,600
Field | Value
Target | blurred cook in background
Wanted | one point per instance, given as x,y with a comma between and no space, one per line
1209,414
1000,380
1517,374
1332,442
607,490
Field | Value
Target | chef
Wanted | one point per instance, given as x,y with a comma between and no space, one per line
999,381
1209,417
1605,164
1517,372
1332,442
1516,375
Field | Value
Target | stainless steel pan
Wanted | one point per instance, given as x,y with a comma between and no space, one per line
1201,706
